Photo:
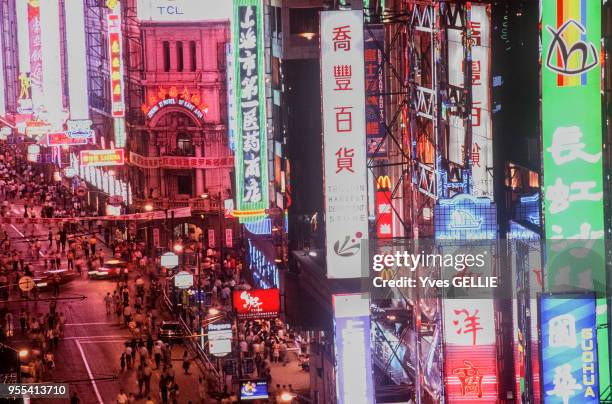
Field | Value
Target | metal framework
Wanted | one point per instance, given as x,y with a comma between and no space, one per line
97,57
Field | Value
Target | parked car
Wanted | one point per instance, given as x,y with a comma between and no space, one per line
110,269
171,332
47,279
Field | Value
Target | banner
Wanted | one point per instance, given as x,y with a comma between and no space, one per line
156,215
116,64
374,45
98,158
344,141
180,162
251,138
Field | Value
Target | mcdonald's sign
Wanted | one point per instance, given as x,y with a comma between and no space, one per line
383,183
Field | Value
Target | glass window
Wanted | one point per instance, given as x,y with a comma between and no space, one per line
166,51
179,56
192,55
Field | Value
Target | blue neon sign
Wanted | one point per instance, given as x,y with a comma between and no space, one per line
465,217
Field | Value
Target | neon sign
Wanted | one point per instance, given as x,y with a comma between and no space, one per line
465,217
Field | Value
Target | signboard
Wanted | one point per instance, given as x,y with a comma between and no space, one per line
63,139
229,238
569,349
26,283
34,81
384,209
342,85
116,63
253,390
169,260
256,303
211,238
481,155
470,354
99,158
183,10
220,338
180,162
183,280
354,383
251,139
374,45
465,217
264,272
572,149
193,105
156,238
231,99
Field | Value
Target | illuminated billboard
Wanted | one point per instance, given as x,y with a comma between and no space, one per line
183,10
465,217
481,154
470,356
344,141
256,303
98,158
572,152
116,64
64,139
569,349
384,208
251,159
354,384
375,102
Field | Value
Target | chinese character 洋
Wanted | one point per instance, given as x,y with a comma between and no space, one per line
471,323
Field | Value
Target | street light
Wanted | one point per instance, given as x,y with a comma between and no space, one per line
286,397
213,311
23,353
178,248
148,207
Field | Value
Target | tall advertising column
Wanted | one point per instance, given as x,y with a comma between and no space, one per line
573,202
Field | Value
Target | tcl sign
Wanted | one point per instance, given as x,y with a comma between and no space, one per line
259,303
183,10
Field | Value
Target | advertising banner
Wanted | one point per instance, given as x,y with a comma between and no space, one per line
384,215
220,338
354,384
251,140
116,64
344,141
64,139
569,349
572,154
183,10
465,217
180,162
98,158
256,303
374,45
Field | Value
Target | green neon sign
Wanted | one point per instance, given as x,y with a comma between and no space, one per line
251,141
572,147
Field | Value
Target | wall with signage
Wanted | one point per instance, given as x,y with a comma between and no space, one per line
251,158
344,141
572,148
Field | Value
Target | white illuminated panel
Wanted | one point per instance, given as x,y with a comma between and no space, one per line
51,62
183,10
354,383
23,37
344,141
77,64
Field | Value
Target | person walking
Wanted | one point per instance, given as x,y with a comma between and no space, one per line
108,302
186,362
122,362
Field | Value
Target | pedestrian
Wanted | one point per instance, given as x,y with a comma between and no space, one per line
140,379
174,393
75,399
147,371
163,389
157,355
128,356
131,398
108,302
122,397
122,362
186,362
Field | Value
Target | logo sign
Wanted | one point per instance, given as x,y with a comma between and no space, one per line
251,140
572,148
183,10
354,384
63,139
465,217
98,158
257,303
569,349
220,338
384,215
116,64
344,140
169,260
183,280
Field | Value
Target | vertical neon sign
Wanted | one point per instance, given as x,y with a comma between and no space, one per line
572,148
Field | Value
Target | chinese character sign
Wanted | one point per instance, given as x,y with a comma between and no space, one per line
35,78
572,151
569,349
251,156
344,140
470,351
116,64
374,81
